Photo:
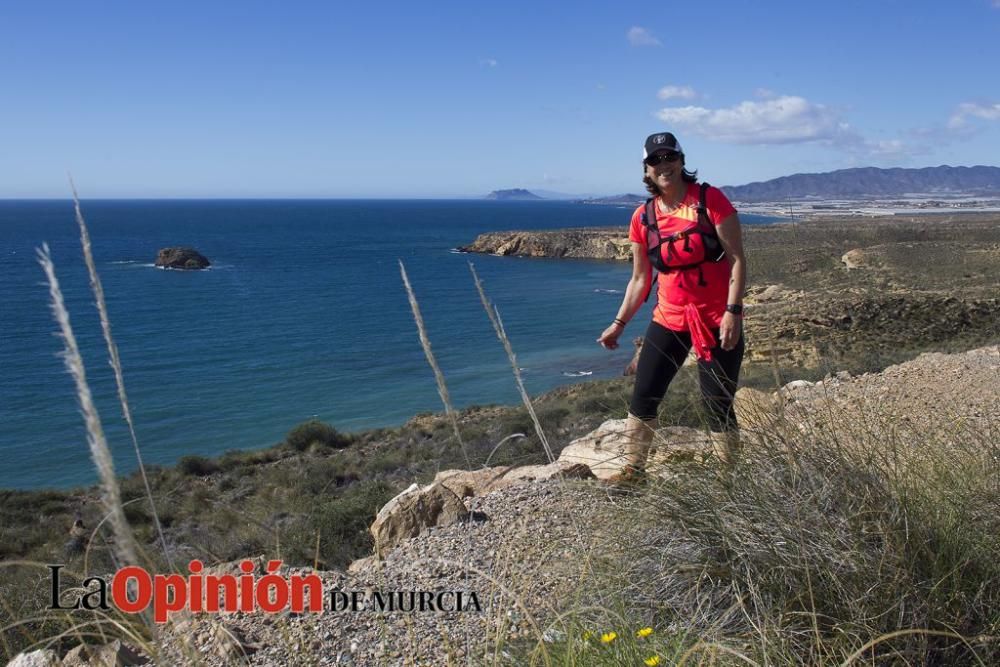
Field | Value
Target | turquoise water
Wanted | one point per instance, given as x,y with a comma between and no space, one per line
303,315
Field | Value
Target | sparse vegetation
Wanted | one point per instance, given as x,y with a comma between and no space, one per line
315,433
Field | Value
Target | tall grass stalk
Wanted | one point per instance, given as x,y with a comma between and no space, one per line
438,375
494,316
116,364
124,546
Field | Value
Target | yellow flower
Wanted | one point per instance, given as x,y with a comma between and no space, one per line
645,632
652,661
587,634
609,637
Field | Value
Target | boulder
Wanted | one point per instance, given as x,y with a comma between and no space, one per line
412,512
853,259
181,258
467,483
600,449
771,293
43,657
755,409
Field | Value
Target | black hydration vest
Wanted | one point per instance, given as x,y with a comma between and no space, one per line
683,250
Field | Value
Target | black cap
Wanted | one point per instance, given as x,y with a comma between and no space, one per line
661,141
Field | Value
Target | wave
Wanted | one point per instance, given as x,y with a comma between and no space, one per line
577,374
170,268
601,290
213,267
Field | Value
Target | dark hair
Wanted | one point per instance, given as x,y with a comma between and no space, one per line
686,176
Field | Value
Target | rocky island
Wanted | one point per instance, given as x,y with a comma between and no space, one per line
183,258
514,194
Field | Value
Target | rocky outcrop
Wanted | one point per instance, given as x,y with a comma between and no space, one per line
466,483
853,259
600,450
413,511
181,258
43,657
567,243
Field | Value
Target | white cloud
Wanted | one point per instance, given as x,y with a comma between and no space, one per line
680,92
970,109
781,120
641,37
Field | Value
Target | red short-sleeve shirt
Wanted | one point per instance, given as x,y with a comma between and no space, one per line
679,288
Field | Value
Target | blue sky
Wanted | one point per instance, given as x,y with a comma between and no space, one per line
331,99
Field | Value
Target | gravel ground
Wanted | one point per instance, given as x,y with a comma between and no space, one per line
528,553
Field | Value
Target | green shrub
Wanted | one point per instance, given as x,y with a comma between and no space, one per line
198,466
315,432
341,524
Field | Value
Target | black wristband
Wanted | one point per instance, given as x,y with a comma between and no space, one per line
620,323
734,308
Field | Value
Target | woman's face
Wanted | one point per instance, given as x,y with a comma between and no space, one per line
668,170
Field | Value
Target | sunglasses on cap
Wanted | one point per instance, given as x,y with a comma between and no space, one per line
657,158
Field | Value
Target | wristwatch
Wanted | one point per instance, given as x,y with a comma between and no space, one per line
734,308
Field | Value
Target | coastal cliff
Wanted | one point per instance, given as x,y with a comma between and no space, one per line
588,243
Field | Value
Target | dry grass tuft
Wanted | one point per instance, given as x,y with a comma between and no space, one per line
125,545
116,364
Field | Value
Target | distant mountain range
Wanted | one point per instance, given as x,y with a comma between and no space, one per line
872,182
858,183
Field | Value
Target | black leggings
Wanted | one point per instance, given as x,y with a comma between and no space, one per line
663,352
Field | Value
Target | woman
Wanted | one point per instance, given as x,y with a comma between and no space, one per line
702,274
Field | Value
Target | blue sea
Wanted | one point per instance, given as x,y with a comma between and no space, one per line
302,315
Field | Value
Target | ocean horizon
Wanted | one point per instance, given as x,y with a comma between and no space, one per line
302,315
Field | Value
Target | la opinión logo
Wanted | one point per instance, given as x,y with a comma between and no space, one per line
133,590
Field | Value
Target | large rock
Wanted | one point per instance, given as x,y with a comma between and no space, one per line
600,449
43,657
181,258
756,410
412,512
854,259
466,483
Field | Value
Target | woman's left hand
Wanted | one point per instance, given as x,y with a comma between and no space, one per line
729,330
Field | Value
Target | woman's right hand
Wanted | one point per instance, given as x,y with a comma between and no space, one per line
609,339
